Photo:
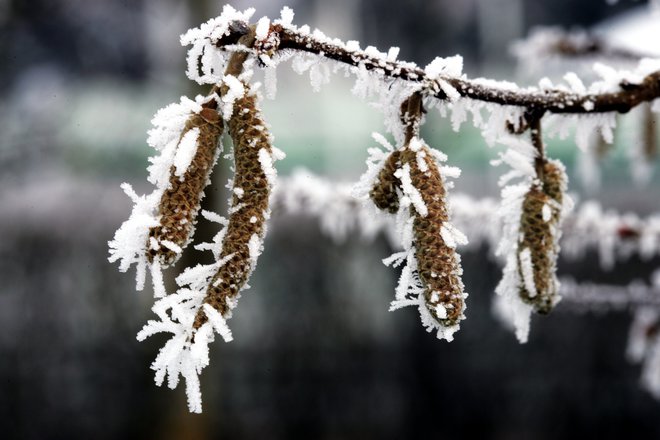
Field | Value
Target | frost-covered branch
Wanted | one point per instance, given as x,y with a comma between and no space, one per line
598,296
619,94
574,44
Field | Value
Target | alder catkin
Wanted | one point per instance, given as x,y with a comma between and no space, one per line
537,247
383,193
251,192
438,263
181,202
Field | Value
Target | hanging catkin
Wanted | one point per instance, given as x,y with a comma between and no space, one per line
249,210
538,245
181,201
438,264
383,193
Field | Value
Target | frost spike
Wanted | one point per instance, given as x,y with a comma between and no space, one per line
181,201
250,206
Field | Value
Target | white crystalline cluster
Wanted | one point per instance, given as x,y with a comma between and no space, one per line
185,152
186,352
508,305
205,62
411,194
441,68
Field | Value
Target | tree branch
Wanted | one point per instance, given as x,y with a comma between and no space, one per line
548,41
553,101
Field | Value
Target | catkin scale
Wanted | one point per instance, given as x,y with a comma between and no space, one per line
383,193
538,234
180,203
249,207
438,264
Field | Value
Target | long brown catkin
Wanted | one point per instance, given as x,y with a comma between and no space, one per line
538,234
249,206
438,263
180,203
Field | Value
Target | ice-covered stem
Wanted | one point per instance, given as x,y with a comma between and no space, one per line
181,201
239,34
384,192
411,116
249,210
554,100
534,121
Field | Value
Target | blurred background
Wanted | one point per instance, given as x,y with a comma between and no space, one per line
316,354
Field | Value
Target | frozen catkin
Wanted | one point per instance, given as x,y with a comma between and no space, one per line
410,182
180,202
384,192
539,236
437,262
249,209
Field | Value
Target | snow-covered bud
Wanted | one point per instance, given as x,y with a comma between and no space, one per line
181,201
434,240
538,245
252,183
383,193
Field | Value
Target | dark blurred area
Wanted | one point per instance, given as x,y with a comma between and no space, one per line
316,353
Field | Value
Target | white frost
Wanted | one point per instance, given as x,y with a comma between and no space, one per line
185,151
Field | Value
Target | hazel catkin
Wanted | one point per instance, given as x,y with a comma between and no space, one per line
181,201
383,193
438,263
537,247
250,207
